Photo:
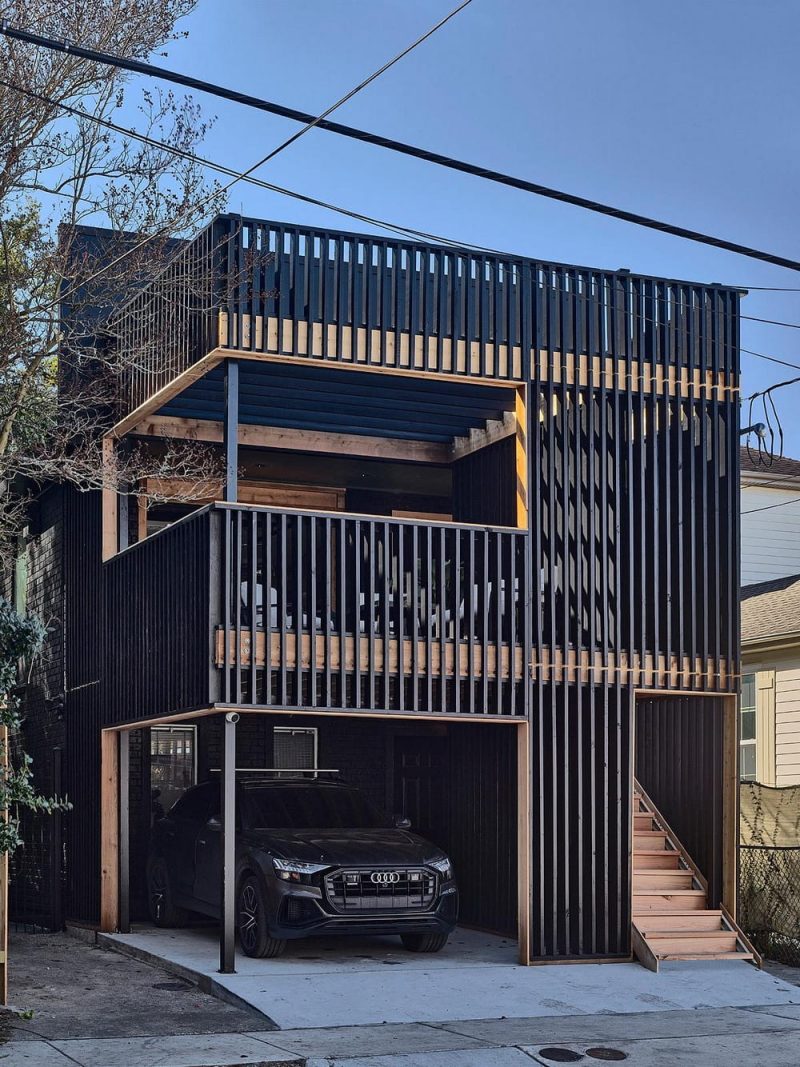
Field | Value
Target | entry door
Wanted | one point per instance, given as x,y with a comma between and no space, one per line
420,789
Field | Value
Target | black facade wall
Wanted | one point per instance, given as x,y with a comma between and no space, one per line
36,884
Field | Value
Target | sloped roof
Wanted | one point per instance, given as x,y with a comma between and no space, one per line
770,609
780,472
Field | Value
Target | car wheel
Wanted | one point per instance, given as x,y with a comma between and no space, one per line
163,910
424,942
251,920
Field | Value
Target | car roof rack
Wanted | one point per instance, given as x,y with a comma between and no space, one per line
314,772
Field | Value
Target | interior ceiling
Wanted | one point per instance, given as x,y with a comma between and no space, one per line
346,401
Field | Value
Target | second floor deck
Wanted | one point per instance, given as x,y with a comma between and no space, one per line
288,609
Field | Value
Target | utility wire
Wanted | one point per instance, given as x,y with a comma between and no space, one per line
772,388
310,123
393,227
150,70
769,507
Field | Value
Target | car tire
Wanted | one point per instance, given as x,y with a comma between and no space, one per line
163,909
424,942
251,921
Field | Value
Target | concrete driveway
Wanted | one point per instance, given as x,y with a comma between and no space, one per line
329,982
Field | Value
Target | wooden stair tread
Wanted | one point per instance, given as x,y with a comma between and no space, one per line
707,956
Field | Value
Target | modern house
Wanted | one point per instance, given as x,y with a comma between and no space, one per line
476,547
770,727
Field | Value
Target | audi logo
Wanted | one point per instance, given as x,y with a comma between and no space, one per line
384,877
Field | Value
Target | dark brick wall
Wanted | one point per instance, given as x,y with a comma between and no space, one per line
36,870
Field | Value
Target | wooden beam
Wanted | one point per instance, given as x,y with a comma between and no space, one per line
347,645
110,516
730,803
495,430
336,444
521,456
109,831
524,831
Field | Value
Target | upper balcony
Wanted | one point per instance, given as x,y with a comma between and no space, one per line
259,289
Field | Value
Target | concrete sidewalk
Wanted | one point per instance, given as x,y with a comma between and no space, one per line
712,1038
94,1008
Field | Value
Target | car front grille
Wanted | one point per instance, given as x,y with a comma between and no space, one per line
360,890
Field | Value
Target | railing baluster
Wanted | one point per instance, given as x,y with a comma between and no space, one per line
283,608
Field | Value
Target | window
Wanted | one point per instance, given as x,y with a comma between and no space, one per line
199,804
747,729
173,764
295,749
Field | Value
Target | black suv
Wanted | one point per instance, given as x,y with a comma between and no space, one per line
312,857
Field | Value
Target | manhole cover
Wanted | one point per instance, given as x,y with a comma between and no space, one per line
172,985
560,1055
606,1054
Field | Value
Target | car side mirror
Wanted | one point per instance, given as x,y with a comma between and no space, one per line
402,822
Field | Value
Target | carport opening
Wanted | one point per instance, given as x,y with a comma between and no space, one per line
456,782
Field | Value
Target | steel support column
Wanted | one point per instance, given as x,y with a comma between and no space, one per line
227,931
124,833
231,431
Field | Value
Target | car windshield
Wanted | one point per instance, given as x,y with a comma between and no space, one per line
311,807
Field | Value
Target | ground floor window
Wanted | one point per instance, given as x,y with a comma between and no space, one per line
747,729
173,764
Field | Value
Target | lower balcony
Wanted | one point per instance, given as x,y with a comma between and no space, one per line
323,611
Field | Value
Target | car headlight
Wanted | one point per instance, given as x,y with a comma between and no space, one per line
444,867
296,870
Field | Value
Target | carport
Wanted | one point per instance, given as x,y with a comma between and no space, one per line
464,782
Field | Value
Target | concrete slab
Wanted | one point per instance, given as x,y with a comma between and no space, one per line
490,1057
777,1050
353,981
329,1043
614,1028
185,1050
784,1011
32,1054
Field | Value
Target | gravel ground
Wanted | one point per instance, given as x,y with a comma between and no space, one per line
75,989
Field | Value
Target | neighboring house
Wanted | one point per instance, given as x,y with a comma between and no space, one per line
476,547
770,517
770,564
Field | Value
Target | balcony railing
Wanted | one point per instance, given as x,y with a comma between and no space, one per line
272,289
342,611
319,611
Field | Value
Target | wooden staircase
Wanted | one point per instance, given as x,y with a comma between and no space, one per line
671,917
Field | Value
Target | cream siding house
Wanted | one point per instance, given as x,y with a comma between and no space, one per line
770,562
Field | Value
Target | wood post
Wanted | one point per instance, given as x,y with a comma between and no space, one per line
109,831
230,431
4,882
110,517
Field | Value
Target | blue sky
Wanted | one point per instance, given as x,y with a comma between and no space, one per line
683,111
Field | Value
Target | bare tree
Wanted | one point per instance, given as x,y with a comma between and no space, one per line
61,171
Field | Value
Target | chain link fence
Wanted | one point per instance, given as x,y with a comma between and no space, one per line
769,870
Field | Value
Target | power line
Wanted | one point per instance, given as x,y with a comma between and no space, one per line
772,359
769,507
150,70
310,123
772,388
393,227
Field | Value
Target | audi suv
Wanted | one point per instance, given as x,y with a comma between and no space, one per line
312,857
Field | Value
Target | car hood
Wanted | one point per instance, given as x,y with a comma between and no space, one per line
346,847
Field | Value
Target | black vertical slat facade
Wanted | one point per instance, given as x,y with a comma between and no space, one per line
627,574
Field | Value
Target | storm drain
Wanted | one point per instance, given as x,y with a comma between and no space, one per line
568,1055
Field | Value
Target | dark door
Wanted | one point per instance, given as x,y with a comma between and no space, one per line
420,784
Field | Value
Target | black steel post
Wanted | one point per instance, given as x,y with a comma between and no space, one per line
231,431
227,931
124,833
